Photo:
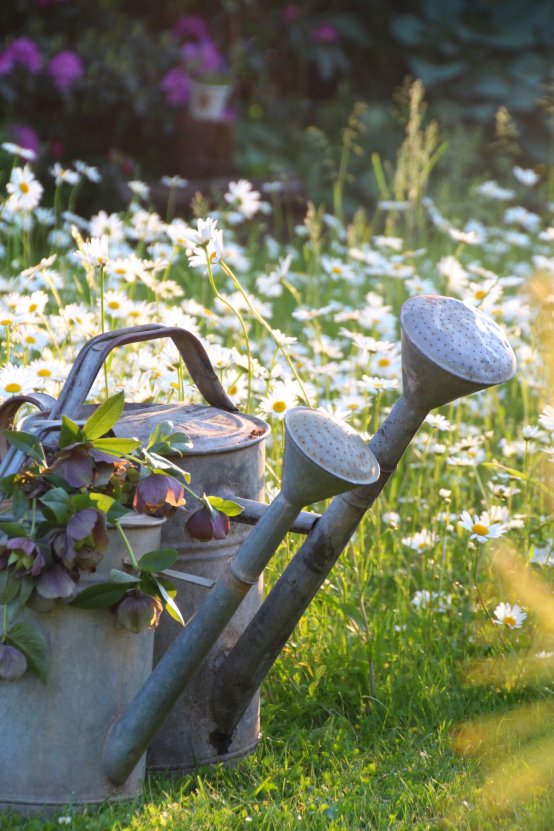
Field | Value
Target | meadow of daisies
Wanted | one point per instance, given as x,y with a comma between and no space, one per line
417,691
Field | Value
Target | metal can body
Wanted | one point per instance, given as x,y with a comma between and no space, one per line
53,734
183,742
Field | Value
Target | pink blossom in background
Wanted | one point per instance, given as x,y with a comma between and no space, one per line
325,33
203,57
21,52
6,63
176,86
57,149
25,136
65,68
291,13
191,27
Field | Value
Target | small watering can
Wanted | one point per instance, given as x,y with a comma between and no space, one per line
448,350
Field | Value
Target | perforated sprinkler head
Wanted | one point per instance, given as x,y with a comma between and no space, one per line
323,457
449,350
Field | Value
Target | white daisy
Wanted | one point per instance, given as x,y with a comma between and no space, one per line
510,616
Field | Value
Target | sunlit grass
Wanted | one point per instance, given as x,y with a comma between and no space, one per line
398,702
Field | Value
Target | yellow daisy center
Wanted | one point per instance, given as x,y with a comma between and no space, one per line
33,307
232,389
6,321
114,304
336,269
13,387
480,529
422,546
383,362
509,621
480,294
44,373
24,187
279,406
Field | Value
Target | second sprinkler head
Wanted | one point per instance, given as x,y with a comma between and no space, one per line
323,457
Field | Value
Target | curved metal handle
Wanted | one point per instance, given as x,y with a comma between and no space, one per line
91,357
9,409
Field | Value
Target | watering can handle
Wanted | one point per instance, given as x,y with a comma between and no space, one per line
92,356
9,410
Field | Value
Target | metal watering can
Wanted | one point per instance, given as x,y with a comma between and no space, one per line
448,350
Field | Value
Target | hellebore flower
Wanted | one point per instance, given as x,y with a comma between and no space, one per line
24,554
75,465
138,611
13,663
207,525
158,495
55,583
84,541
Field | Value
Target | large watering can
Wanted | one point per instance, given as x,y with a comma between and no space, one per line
448,350
219,584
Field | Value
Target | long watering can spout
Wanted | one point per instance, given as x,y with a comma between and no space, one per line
322,458
448,350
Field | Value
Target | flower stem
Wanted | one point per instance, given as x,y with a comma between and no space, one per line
241,321
127,545
268,329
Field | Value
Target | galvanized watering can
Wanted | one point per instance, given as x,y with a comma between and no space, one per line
199,704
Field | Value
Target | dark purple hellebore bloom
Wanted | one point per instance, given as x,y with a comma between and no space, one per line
138,611
23,554
13,663
158,495
75,465
203,526
84,541
55,583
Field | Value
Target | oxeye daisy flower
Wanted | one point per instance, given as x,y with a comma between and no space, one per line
421,541
14,380
280,398
243,198
510,616
199,238
25,191
95,252
481,527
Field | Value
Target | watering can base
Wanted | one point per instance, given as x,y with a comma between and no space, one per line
225,759
44,808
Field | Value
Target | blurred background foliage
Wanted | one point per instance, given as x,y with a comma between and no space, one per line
297,70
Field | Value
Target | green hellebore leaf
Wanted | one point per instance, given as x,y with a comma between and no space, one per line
20,504
123,577
13,529
116,446
9,586
100,596
157,560
28,443
102,501
34,645
56,503
169,604
226,506
104,417
70,433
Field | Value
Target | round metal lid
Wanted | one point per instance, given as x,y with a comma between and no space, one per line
210,429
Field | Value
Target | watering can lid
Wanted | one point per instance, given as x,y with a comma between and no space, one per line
210,429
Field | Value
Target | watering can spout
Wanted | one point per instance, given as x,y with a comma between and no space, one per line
448,350
321,459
